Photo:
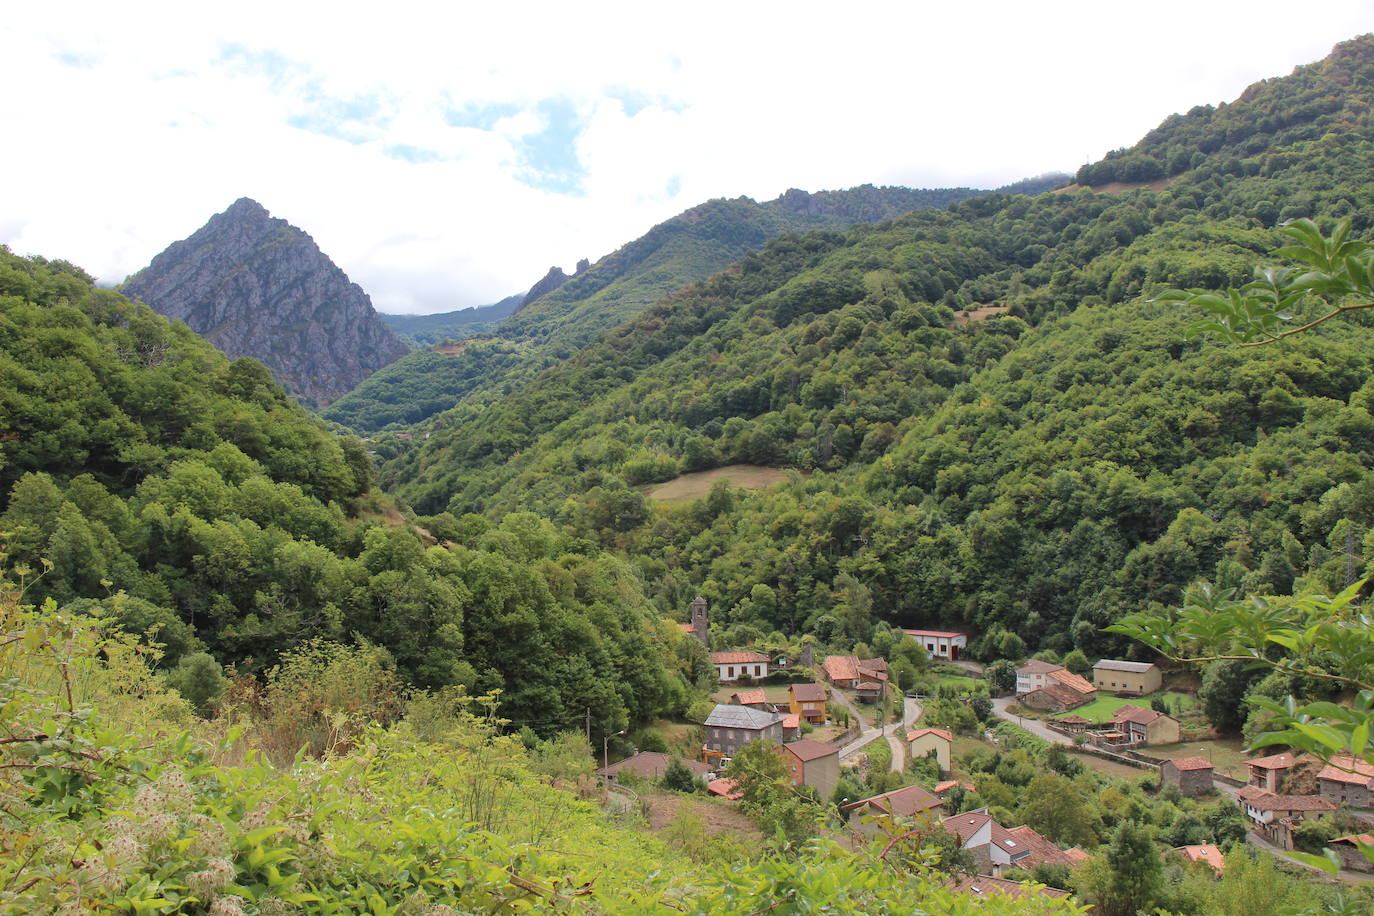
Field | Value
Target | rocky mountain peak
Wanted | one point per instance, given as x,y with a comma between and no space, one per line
257,286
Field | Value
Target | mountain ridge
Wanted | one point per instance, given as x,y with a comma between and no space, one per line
255,285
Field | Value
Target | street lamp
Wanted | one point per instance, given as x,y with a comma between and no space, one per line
605,748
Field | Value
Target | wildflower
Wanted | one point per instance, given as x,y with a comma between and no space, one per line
228,905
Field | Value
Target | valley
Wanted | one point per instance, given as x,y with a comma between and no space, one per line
912,542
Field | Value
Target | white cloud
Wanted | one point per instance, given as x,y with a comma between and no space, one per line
138,124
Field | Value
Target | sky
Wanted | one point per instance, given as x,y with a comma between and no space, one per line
445,155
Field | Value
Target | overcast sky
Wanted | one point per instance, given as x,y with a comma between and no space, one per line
447,154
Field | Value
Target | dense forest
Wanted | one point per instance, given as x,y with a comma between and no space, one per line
1033,474
544,330
189,496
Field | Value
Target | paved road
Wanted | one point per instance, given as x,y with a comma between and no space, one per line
999,709
895,732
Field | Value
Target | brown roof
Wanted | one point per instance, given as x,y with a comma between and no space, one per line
1274,762
1064,695
1073,720
809,693
737,658
966,825
750,697
868,685
1191,763
1261,800
1356,839
1136,714
872,667
1206,852
841,667
982,886
650,765
725,788
1348,770
791,720
807,750
1036,666
921,732
1073,681
1043,851
688,627
900,802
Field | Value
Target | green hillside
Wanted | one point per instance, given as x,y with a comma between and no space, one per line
427,330
186,495
689,247
1032,475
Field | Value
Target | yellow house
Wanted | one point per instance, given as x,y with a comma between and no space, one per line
808,701
922,741
1138,678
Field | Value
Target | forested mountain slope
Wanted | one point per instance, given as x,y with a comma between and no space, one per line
548,328
189,495
426,330
257,286
1032,475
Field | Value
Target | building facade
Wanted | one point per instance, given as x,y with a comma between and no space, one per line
1135,678
735,666
730,728
940,643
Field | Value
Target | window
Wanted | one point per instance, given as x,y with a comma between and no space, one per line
730,672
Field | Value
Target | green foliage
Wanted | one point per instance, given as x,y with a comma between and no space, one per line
679,778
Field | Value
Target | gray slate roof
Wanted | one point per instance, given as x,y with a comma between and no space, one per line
726,716
1133,667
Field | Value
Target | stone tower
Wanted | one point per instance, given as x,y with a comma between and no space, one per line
700,621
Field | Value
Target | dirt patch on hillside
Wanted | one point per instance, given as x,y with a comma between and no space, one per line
698,483
720,816
1118,187
451,349
981,313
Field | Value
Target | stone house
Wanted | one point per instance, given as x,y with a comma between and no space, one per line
813,763
1348,848
730,728
1268,773
1146,726
907,804
1348,781
808,701
1275,816
1127,677
921,742
1053,697
848,671
734,666
1192,775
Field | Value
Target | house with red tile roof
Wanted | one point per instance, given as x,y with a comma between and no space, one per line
813,763
1074,682
732,666
1347,780
754,698
1146,726
909,803
1053,697
1352,851
1043,851
849,671
725,788
922,742
1206,852
808,701
1269,772
987,886
992,845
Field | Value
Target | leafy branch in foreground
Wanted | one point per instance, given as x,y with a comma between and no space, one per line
1307,636
1336,277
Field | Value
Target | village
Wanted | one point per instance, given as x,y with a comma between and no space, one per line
825,717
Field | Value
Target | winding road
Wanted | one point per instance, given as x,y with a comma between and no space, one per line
895,733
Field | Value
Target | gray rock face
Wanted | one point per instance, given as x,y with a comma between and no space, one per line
257,286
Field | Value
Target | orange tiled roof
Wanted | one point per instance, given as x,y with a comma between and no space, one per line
737,658
1073,681
749,697
1348,770
1206,852
1273,762
1192,763
921,732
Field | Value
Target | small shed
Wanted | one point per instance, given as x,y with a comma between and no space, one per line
1192,775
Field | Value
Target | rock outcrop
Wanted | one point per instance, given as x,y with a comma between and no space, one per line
257,286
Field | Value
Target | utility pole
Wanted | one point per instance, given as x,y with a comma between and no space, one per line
589,725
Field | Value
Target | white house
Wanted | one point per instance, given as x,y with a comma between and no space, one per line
1034,674
732,666
940,643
